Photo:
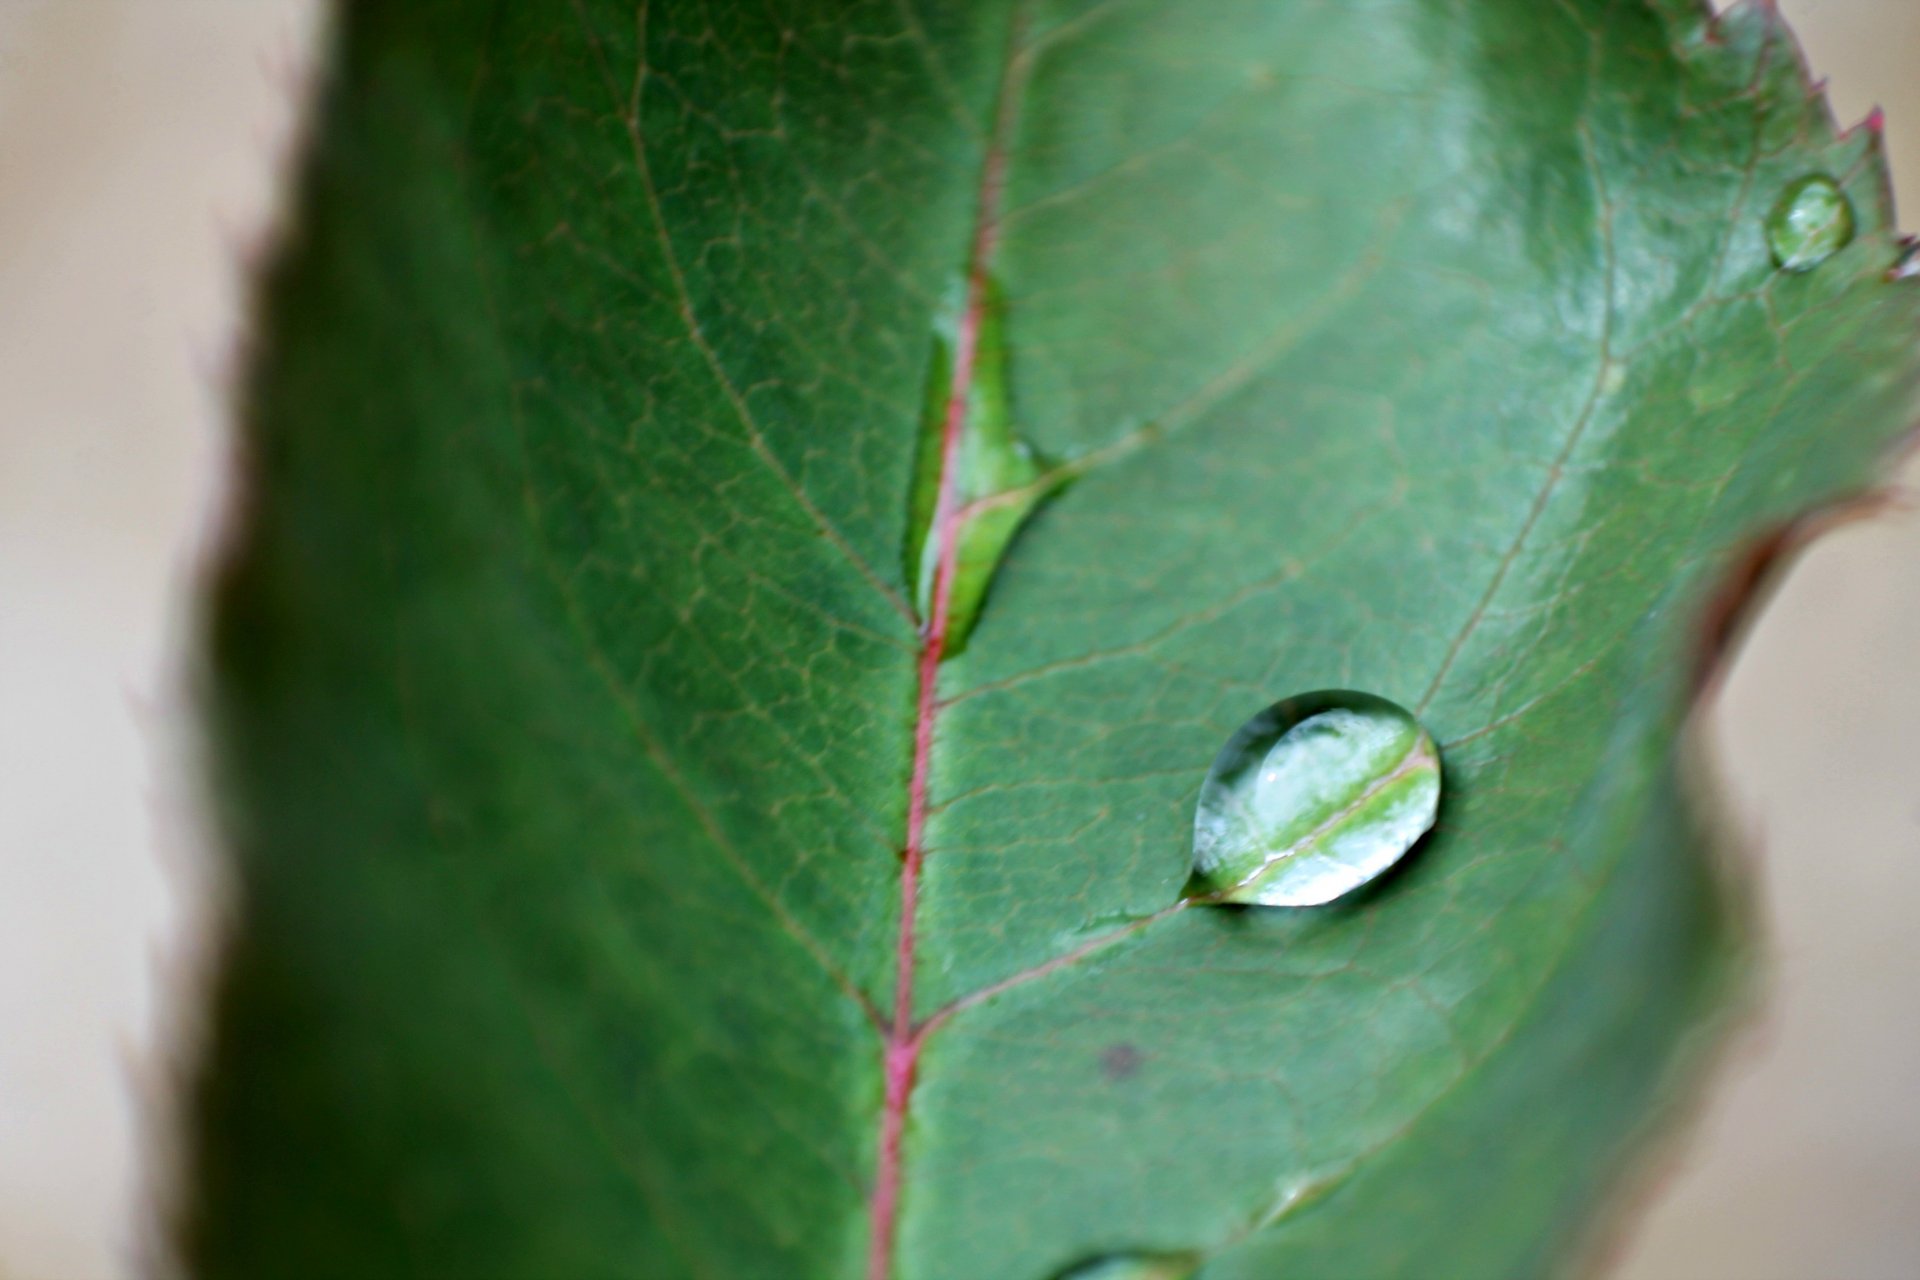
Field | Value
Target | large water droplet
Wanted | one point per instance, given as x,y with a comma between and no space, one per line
1311,799
1135,1266
1812,221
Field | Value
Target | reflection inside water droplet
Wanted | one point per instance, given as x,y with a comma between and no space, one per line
1812,221
1311,799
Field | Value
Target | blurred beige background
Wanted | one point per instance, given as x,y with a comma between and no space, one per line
139,140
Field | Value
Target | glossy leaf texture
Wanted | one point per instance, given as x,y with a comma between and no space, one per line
566,675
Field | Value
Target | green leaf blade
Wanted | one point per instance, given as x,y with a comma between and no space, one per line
564,676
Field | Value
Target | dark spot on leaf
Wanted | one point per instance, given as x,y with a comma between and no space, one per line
1120,1062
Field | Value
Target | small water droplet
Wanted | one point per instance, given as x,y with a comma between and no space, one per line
1135,1266
1906,265
1812,221
999,479
1311,799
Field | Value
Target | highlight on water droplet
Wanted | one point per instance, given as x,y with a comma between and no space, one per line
1135,1266
1812,221
1311,799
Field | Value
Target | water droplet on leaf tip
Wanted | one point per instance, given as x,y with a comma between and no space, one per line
1811,221
1312,798
1907,265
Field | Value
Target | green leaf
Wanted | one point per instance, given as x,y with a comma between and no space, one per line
581,742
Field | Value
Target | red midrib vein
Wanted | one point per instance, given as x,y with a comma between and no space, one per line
903,1037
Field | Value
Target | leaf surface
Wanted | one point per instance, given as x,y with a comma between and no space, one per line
573,706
